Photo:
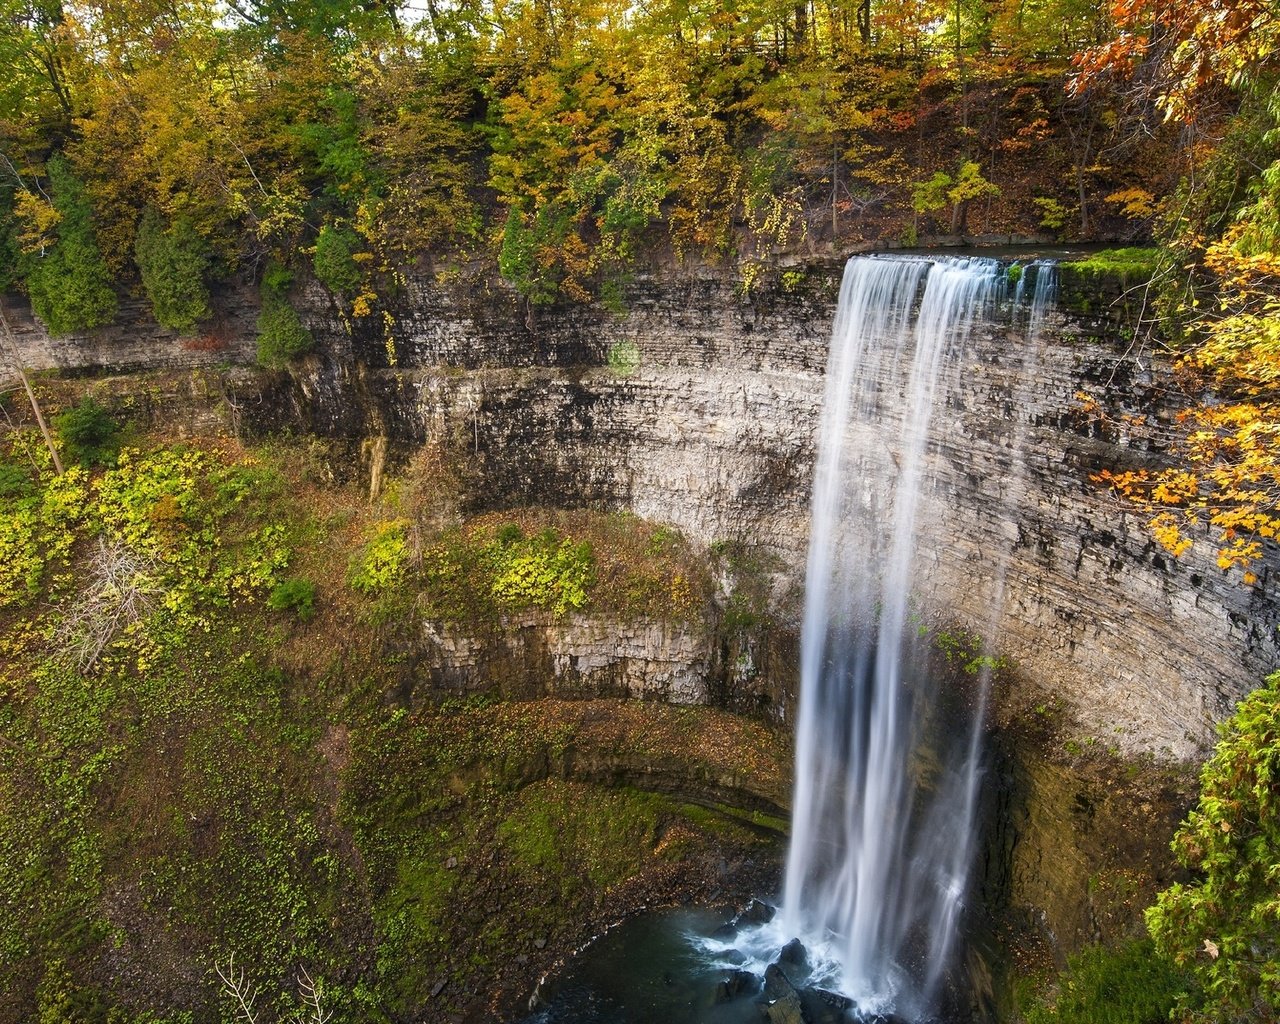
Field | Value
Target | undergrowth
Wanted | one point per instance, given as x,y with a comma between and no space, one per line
215,781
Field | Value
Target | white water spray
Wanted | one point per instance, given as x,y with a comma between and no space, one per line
883,827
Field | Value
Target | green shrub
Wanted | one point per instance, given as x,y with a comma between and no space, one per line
624,357
380,564
1053,215
69,282
335,266
173,265
509,533
543,572
298,595
1224,924
281,335
89,434
15,481
1130,984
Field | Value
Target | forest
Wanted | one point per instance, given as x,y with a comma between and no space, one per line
165,149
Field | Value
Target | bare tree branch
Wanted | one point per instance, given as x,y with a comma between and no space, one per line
312,992
121,589
9,351
236,985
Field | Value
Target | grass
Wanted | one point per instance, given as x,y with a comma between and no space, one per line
1132,265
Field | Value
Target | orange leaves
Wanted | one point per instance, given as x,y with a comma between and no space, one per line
1226,485
1165,528
1175,487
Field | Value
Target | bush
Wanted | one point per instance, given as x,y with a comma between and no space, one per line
15,481
281,335
335,266
296,594
380,564
90,436
543,572
1130,984
173,264
1224,925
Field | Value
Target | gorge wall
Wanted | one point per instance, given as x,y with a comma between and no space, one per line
698,407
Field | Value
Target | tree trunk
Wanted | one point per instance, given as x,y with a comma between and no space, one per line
11,352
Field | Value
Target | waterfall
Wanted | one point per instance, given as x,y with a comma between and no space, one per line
888,770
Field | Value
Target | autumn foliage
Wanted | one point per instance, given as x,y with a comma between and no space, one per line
566,141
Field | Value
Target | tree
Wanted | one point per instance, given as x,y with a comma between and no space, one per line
282,337
1224,925
69,284
335,266
173,264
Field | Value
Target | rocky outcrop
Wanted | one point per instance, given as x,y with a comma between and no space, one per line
538,655
134,341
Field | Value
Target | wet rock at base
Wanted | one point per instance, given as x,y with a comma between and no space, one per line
786,1010
756,912
738,983
776,983
793,954
823,1007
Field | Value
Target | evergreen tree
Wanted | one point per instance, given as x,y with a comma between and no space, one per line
173,264
69,284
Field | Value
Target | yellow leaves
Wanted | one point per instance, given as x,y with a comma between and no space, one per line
37,218
1167,532
1136,203
1175,488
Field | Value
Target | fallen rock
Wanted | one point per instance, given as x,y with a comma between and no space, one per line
823,1007
793,954
785,1010
776,983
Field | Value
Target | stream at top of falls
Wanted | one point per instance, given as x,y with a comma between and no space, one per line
872,920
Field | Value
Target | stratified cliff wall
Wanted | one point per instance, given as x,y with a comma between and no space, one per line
699,407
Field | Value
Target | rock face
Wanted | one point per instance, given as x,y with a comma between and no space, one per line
699,408
537,655
135,341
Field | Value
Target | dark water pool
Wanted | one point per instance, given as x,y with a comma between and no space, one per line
691,966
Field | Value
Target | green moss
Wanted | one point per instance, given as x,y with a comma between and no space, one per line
1133,264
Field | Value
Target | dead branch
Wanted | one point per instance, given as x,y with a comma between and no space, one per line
9,352
312,1011
236,985
121,588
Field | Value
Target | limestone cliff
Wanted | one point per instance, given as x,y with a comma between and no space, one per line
698,407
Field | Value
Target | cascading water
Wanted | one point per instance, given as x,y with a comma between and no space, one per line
883,827
888,769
